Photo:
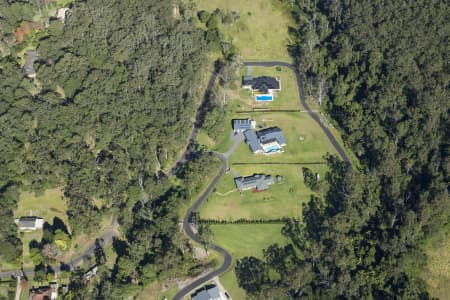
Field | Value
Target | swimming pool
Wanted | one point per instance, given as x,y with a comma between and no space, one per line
264,98
272,149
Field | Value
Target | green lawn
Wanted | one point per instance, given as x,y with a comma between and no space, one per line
235,238
312,148
280,200
261,33
287,98
437,272
47,206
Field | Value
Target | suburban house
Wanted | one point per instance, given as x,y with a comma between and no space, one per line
45,292
257,182
241,125
267,141
210,292
263,88
29,223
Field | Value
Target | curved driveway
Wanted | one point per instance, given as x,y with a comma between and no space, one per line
223,158
301,95
195,237
104,240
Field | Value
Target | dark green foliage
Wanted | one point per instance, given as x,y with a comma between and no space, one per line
203,16
250,274
382,76
198,171
311,180
11,249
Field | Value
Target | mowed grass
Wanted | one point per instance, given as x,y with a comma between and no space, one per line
244,240
312,148
47,206
437,272
261,32
287,98
282,199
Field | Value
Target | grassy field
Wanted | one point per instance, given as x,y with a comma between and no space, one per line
312,148
287,98
47,206
437,273
261,31
280,200
235,238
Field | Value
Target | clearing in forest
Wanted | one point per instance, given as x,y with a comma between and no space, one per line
236,239
260,33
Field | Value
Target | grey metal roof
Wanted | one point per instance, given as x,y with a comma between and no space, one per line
27,222
207,294
252,140
242,124
29,61
270,134
258,181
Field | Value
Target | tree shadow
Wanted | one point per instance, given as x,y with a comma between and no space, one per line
59,224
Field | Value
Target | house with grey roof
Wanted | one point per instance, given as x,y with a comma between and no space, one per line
211,292
241,125
263,87
267,141
257,182
29,223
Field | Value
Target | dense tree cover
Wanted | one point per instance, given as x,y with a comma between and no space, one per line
380,69
113,102
116,87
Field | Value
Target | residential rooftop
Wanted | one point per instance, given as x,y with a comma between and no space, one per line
240,125
269,140
208,293
262,84
259,182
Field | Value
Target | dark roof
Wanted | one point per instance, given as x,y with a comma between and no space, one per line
247,80
258,181
242,124
207,294
27,222
270,134
262,83
252,140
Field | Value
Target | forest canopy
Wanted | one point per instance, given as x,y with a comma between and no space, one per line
380,68
110,107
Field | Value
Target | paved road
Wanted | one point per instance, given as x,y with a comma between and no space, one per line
195,237
195,128
103,240
237,139
223,157
301,94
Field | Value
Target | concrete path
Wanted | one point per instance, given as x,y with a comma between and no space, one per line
105,239
237,139
301,95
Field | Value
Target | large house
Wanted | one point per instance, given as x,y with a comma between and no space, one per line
241,125
30,223
263,88
267,141
210,292
257,182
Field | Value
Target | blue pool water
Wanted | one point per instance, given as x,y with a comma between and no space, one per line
264,98
272,149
